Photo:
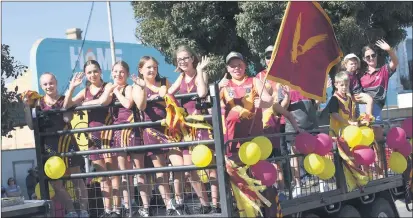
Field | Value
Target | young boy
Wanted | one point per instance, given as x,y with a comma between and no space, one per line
341,105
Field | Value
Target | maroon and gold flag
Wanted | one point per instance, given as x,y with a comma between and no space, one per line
305,50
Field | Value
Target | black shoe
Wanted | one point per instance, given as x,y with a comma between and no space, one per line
105,215
182,209
170,212
204,209
215,209
134,212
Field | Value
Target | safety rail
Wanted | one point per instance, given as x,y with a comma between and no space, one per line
39,116
338,181
220,147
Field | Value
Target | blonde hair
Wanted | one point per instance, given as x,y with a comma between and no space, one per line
341,76
188,49
345,61
48,73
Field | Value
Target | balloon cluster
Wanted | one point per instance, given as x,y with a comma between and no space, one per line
254,153
316,148
359,140
397,140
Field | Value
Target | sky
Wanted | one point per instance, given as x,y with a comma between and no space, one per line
23,23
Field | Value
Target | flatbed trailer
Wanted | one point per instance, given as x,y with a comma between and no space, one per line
30,208
376,199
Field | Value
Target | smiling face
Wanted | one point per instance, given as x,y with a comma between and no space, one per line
93,74
370,57
185,60
236,68
48,84
149,70
119,74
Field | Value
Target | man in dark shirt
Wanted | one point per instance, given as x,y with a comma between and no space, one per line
31,180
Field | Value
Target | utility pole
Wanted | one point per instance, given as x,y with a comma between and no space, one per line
112,42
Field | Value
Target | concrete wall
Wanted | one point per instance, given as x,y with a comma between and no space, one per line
16,163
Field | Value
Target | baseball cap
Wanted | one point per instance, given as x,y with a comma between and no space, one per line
232,55
351,55
269,49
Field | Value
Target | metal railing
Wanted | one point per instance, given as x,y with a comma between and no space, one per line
225,196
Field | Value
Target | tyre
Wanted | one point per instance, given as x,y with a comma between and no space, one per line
379,208
349,211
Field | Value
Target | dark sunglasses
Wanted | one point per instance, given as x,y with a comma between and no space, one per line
368,57
268,57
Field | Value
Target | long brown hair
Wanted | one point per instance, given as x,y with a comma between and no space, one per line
191,51
142,62
92,62
123,64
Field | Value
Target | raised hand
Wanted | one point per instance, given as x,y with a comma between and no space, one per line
77,79
138,81
285,89
224,82
383,45
202,64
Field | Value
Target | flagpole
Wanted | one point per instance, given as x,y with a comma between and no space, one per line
112,41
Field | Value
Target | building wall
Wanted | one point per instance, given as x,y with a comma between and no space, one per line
22,137
16,163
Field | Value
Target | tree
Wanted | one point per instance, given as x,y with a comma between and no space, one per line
216,28
10,68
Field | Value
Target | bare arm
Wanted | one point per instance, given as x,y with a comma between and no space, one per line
106,97
175,86
77,100
279,109
266,99
126,101
76,81
201,87
139,97
394,61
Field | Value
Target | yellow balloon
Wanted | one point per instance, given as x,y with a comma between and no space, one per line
265,146
314,164
203,176
201,156
397,162
55,167
329,169
352,135
249,153
368,136
37,191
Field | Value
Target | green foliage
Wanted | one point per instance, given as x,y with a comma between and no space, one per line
216,28
10,68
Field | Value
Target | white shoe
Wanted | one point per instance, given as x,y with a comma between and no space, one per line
296,192
324,186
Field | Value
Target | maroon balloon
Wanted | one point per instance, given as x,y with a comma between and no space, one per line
395,137
305,143
363,155
405,149
407,126
265,172
324,144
